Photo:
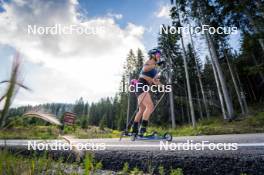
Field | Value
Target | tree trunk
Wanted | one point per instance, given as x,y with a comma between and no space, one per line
187,78
198,101
243,96
128,104
182,110
235,84
218,88
200,79
187,105
188,83
219,71
222,81
172,113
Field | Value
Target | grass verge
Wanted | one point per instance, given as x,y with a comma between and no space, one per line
215,126
212,126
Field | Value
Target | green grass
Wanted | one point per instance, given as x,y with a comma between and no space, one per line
214,126
14,163
177,171
53,132
92,132
136,171
30,132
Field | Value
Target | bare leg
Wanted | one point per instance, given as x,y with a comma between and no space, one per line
139,114
141,108
147,102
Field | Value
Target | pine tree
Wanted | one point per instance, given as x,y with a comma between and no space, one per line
176,17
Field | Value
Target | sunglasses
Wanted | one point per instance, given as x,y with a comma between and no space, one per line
158,54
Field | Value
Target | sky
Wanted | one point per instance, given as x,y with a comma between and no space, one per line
65,67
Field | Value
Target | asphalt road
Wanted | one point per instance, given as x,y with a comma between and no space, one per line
241,143
248,157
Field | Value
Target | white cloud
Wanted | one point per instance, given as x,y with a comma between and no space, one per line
115,15
71,65
134,31
163,12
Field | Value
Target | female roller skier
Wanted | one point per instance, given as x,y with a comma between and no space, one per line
148,76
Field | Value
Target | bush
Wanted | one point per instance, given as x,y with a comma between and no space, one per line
125,169
88,164
177,171
161,170
136,171
84,123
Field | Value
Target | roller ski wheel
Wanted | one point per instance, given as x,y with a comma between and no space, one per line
133,137
167,137
123,133
155,133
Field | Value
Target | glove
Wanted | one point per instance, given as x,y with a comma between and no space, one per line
160,63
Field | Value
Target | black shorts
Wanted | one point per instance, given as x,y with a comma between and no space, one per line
141,83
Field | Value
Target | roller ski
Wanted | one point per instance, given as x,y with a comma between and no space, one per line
141,135
151,136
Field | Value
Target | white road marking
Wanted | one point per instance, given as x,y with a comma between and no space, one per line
139,144
250,144
206,145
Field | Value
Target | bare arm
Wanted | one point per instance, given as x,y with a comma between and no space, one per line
156,80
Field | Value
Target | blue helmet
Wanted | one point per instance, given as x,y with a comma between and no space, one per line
153,52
